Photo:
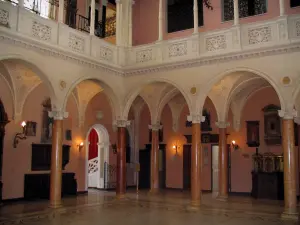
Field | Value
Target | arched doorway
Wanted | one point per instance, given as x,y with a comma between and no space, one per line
97,155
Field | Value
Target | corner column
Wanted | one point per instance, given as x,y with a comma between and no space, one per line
130,22
196,162
289,165
60,11
160,20
281,7
223,161
155,158
121,159
118,22
92,22
56,158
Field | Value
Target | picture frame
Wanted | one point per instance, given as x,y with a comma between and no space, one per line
69,135
30,128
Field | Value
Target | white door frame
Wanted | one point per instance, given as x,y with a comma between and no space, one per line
103,144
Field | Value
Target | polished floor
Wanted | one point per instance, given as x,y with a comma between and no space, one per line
170,207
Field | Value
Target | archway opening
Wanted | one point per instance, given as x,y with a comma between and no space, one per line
97,157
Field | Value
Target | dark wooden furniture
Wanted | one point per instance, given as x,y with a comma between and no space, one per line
267,185
3,122
267,176
41,157
37,186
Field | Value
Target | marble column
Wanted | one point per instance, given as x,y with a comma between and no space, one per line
121,159
61,11
92,16
223,162
236,12
281,7
289,166
56,158
160,20
155,158
196,22
196,162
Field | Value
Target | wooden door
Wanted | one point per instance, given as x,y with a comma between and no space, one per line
145,168
162,167
187,167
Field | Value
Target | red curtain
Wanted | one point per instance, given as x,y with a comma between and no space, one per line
93,147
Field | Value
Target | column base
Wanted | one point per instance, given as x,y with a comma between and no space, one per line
194,206
55,205
290,214
154,191
121,196
222,198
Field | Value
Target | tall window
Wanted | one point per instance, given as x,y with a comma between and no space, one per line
246,8
181,14
295,3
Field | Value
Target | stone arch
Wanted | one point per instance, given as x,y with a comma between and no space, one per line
218,77
138,88
110,94
103,144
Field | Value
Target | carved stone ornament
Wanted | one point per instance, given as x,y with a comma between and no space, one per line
298,28
144,55
259,35
58,115
106,54
286,81
222,124
4,18
193,90
76,43
62,84
196,118
155,127
288,114
122,123
41,31
216,43
178,49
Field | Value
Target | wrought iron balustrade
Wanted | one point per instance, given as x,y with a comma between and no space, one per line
110,176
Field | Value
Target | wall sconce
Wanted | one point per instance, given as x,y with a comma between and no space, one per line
175,147
114,148
20,136
234,145
80,146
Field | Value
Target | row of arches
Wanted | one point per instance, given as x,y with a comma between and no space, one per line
121,102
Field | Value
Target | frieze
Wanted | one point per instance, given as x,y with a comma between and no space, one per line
4,18
178,49
216,43
144,55
106,54
41,31
76,43
259,35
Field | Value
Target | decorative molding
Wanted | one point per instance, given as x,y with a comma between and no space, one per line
121,123
106,54
144,55
65,55
222,124
216,43
4,18
58,115
177,49
259,35
196,118
155,127
41,31
62,85
76,43
287,115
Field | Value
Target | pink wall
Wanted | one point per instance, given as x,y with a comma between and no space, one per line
145,14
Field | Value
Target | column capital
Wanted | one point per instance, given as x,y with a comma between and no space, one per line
287,114
58,115
196,118
118,1
121,123
155,127
222,124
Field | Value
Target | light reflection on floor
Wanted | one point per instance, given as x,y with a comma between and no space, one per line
170,207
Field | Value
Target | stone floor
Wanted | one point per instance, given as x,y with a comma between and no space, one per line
170,207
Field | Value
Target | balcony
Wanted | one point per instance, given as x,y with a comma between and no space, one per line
230,43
